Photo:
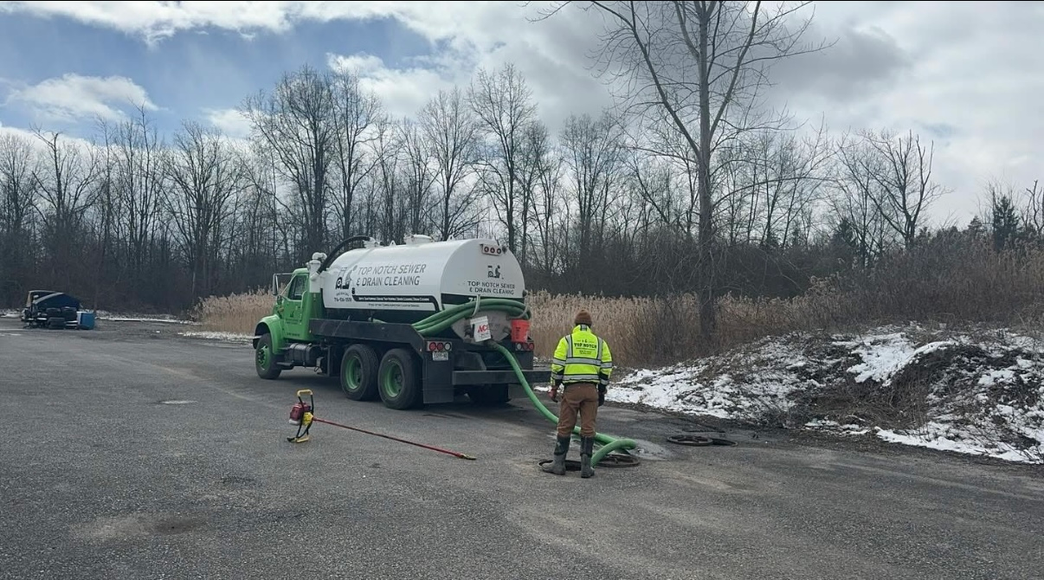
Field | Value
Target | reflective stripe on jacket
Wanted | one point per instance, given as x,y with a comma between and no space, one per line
582,357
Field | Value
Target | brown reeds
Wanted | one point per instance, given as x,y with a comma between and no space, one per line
955,281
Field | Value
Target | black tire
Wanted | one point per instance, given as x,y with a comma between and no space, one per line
359,368
489,395
398,380
56,323
264,359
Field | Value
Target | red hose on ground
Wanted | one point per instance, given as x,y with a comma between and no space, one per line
453,453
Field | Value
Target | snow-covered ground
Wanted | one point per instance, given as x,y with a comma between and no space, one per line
130,317
122,317
981,394
219,336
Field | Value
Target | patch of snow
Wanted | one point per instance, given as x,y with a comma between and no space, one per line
756,383
882,356
222,336
947,437
164,319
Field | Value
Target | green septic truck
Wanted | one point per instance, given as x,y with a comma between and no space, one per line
413,324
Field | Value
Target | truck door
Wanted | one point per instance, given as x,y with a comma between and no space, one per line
293,312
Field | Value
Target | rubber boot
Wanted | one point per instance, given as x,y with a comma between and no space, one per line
558,465
586,449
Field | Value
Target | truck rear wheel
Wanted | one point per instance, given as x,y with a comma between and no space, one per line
264,358
359,368
398,382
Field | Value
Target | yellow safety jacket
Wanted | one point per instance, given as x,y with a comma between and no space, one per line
582,357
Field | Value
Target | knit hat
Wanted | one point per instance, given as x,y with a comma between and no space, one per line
583,318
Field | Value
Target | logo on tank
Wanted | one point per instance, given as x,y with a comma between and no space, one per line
344,281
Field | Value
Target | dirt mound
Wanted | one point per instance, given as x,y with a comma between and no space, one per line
979,394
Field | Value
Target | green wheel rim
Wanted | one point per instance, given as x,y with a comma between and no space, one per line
353,374
263,356
392,379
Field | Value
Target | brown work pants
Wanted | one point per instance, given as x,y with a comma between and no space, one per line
582,397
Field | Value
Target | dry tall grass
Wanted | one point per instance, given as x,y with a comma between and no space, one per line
236,313
951,281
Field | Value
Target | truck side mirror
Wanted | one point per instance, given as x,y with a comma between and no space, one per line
275,284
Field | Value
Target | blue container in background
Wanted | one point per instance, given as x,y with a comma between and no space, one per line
86,320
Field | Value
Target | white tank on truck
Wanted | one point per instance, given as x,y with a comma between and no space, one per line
408,282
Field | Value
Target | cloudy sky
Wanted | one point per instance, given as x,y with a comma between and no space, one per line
969,76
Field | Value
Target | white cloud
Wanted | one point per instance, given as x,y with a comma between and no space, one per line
231,122
969,79
402,91
74,97
157,20
966,77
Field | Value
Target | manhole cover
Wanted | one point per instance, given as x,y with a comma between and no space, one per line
693,440
618,460
699,440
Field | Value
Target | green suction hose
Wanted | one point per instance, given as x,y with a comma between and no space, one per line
442,320
609,444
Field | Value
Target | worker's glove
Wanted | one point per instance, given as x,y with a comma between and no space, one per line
554,389
601,398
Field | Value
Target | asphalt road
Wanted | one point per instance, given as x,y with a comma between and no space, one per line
131,453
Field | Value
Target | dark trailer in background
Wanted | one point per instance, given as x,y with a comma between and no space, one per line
55,310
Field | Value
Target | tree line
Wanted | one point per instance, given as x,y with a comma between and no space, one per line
686,184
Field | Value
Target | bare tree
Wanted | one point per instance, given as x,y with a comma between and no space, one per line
533,164
18,190
593,156
385,205
137,161
774,180
18,161
355,113
297,123
551,214
1034,208
503,103
895,174
66,180
452,130
418,176
700,65
853,205
269,232
205,176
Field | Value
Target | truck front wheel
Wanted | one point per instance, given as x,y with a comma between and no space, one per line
359,367
398,381
264,359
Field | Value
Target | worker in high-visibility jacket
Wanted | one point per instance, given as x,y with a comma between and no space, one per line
582,366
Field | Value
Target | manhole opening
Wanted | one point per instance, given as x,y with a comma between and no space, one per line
609,461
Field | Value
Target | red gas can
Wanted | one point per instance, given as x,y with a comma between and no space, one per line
520,331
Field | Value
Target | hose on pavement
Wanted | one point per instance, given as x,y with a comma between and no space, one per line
442,320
